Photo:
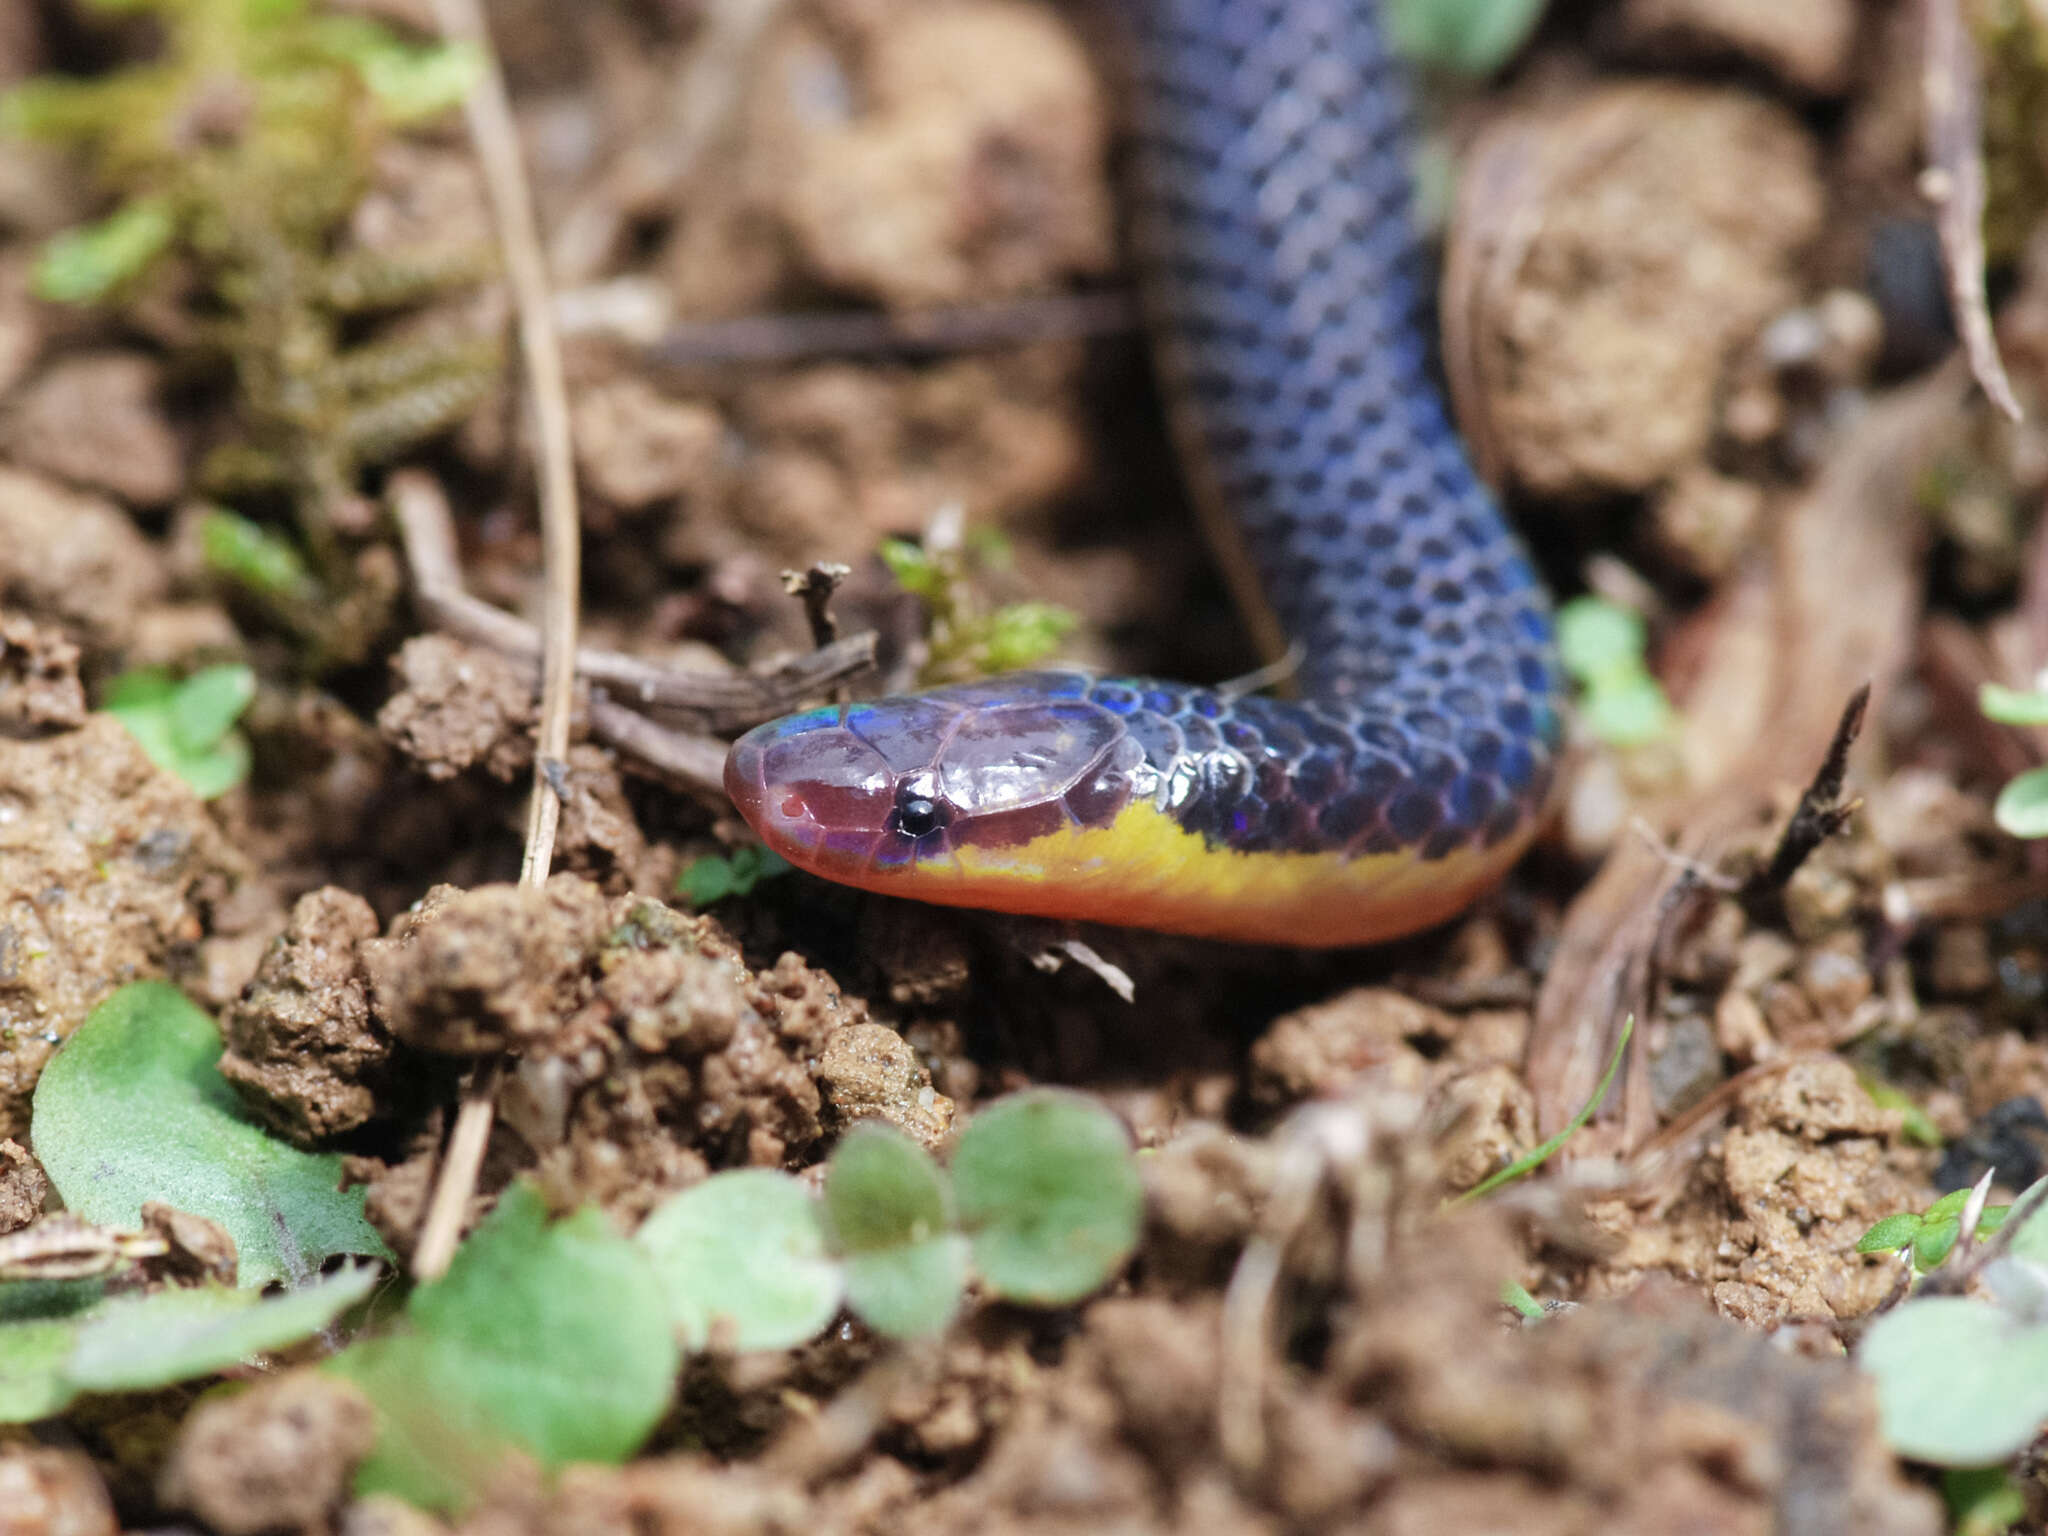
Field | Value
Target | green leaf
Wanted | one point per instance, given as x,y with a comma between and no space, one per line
254,557
885,1208
1049,1193
137,1343
1596,638
1515,1295
60,1340
1536,1157
551,1338
1021,634
882,1190
1893,1233
1934,1241
186,728
746,1250
713,878
39,1322
84,265
133,1108
1959,1383
2013,706
1950,1204
915,570
2022,806
1982,1501
909,1292
1470,37
1626,711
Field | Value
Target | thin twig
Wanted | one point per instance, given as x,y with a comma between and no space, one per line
790,338
815,588
714,700
1952,88
695,762
489,110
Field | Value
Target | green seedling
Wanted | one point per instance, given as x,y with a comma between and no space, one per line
1982,1501
1963,1381
1930,1235
187,727
2022,806
1466,37
1536,1157
715,877
1042,1205
966,641
1603,647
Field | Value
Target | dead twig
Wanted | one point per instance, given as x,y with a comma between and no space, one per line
491,128
710,700
814,588
1952,90
791,338
1820,814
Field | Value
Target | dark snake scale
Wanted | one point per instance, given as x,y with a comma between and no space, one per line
1283,286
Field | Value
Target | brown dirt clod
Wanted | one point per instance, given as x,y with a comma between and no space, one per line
274,1458
868,1071
108,871
302,1046
50,1492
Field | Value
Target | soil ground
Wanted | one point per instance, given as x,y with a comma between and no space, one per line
1694,327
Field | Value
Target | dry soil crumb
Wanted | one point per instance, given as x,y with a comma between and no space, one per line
458,706
1771,1215
39,685
47,1492
301,1044
23,1186
1809,44
74,560
1668,219
868,1071
500,967
1323,1049
94,421
108,871
636,446
277,1457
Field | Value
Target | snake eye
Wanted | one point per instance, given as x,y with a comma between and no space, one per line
916,816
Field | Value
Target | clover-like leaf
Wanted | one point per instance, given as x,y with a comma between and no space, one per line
1959,1382
887,1210
1472,37
550,1338
1049,1194
742,1255
2022,806
187,728
133,1108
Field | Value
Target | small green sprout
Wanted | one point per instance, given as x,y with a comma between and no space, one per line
2022,807
1602,646
1516,1297
1467,37
188,728
1043,1204
1930,1234
716,876
966,642
1982,1501
1916,1125
1536,1157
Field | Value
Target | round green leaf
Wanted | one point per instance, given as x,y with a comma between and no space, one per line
1891,1234
1597,639
745,1249
1049,1193
205,707
132,1108
552,1337
1959,1383
136,1343
2022,806
882,1191
910,1291
2013,706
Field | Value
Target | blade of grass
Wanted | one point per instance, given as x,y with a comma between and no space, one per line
1535,1157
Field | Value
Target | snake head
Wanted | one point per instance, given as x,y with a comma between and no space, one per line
925,795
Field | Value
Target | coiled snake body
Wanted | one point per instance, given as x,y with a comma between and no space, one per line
1281,281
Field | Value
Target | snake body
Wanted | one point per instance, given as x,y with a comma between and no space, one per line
1282,282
